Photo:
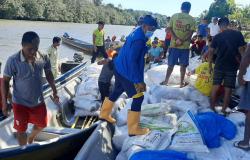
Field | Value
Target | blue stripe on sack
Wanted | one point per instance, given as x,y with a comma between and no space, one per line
197,125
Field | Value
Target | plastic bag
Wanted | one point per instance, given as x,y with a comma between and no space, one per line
155,140
88,88
160,93
157,75
121,133
156,109
81,113
121,117
161,155
86,104
188,135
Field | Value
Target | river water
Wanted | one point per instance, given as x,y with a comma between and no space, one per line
11,32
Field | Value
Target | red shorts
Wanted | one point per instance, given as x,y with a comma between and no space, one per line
24,115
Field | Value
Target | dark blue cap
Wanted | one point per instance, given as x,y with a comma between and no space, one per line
186,6
150,21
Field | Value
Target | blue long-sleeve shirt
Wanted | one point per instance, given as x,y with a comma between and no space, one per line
130,61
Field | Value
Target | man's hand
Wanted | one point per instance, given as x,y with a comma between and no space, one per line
56,98
5,110
103,62
140,87
241,81
178,42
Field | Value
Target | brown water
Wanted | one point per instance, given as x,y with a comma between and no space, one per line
11,32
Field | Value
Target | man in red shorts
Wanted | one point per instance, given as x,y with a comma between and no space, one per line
26,68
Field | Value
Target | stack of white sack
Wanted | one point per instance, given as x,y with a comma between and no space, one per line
161,93
194,63
157,74
163,126
160,137
87,98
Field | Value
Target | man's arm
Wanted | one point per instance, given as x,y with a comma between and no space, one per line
51,81
242,49
137,48
172,33
50,78
210,58
208,30
243,66
5,87
94,37
188,37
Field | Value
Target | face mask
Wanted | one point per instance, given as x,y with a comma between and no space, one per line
149,34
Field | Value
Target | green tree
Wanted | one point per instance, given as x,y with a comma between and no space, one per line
79,11
33,9
221,8
12,9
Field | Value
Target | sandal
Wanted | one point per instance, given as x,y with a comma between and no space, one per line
184,84
243,147
225,114
164,83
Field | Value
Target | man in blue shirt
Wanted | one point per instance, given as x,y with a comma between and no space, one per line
129,75
202,28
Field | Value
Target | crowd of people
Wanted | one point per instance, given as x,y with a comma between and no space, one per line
221,48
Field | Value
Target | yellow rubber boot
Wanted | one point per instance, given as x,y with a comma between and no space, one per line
106,110
133,124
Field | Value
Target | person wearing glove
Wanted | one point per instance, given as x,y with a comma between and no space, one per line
129,75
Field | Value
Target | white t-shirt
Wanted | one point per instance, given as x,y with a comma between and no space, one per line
214,29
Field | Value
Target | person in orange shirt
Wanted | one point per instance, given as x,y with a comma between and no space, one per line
167,42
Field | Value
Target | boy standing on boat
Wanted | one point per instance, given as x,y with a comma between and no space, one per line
53,55
98,42
26,68
129,75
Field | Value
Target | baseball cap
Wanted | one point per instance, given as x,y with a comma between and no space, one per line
150,21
